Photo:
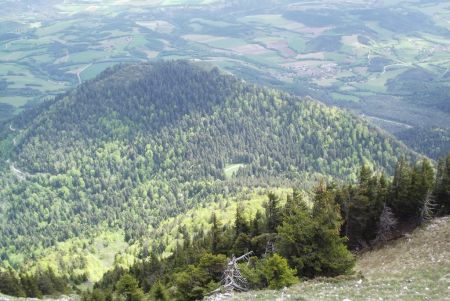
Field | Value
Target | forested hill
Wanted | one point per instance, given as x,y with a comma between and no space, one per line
143,142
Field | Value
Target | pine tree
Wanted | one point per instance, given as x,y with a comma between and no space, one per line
273,213
311,240
10,284
363,209
240,224
400,191
30,286
128,287
215,234
159,292
443,186
257,224
242,244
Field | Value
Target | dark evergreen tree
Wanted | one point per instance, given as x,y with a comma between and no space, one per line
443,186
240,225
30,286
10,284
128,287
400,191
159,292
311,240
272,213
257,225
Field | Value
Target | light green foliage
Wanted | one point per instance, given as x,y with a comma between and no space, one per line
231,169
128,287
159,292
84,257
277,272
199,219
271,272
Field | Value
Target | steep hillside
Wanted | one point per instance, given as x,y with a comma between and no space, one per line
141,143
416,267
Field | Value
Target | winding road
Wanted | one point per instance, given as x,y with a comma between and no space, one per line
401,124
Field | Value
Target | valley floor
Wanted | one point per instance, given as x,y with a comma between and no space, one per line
416,267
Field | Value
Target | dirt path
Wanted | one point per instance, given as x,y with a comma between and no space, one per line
392,65
445,72
18,173
80,71
21,175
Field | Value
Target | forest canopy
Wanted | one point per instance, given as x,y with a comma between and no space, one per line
141,143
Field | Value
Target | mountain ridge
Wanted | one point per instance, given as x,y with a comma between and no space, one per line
144,142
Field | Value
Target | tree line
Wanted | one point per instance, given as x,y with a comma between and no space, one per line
32,285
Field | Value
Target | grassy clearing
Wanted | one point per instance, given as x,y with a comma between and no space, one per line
345,97
94,70
231,169
92,256
416,267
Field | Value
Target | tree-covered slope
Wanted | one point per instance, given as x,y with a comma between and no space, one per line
144,142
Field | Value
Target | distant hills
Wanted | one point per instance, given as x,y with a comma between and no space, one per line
386,60
141,143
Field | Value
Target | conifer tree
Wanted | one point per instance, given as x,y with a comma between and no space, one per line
311,240
215,233
240,224
443,186
30,286
400,191
159,292
257,224
273,213
128,287
364,209
10,284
